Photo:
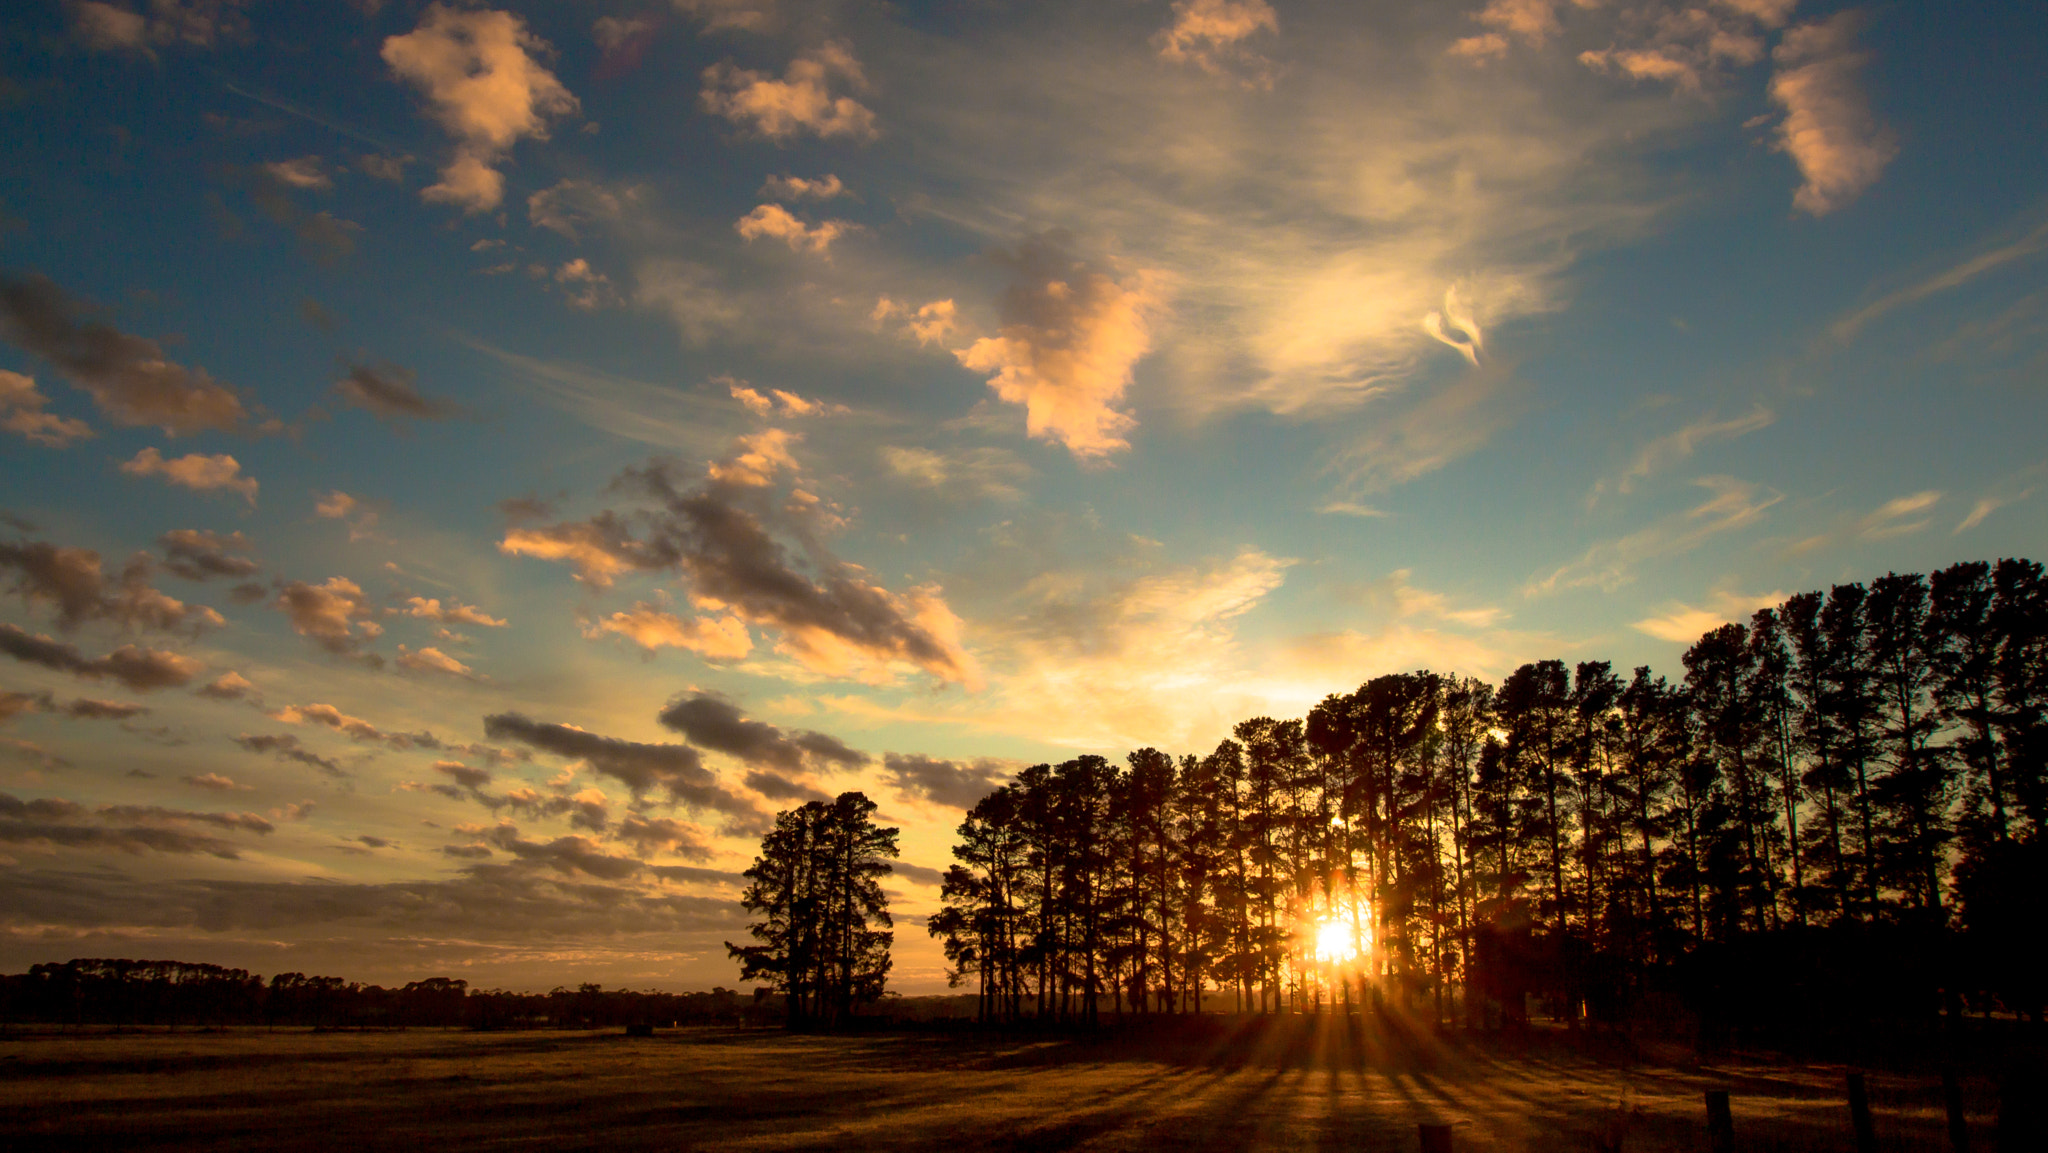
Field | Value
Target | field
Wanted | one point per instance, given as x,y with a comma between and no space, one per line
1299,1084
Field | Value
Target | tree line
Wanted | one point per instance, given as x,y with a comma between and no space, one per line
111,991
1838,809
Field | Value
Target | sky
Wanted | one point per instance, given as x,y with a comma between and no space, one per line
466,468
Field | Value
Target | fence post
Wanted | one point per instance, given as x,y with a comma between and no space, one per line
1720,1122
1435,1138
1859,1115
1958,1121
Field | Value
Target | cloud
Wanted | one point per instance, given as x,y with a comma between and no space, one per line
1846,328
229,686
826,187
13,704
677,770
140,669
1442,426
1681,623
726,15
960,784
52,821
1400,597
389,393
1899,516
721,638
355,728
455,613
128,377
801,102
2013,489
1838,145
1470,341
664,834
1732,504
568,855
71,580
89,709
1674,447
505,906
778,400
777,787
432,660
1069,338
1094,655
929,323
463,775
721,537
759,458
273,187
711,722
338,505
587,288
478,72
21,413
1352,508
335,614
976,473
601,548
385,167
107,27
198,554
1212,35
572,204
198,472
216,783
286,747
776,222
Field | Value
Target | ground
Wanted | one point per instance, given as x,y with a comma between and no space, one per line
1300,1084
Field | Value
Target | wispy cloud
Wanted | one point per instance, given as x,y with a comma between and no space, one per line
1676,447
1846,329
1899,516
1732,504
1829,130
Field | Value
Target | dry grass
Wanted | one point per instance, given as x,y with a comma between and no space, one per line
1303,1085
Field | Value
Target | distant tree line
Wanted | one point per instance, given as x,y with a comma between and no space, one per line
124,992
1834,818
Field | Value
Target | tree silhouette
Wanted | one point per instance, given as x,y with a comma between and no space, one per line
824,920
1868,764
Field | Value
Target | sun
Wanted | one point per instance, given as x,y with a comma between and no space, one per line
1334,945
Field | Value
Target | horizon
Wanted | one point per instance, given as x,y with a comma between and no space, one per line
447,520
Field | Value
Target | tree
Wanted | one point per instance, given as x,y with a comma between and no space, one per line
824,931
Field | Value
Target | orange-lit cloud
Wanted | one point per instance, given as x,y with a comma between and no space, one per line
1829,130
21,413
776,222
799,103
1069,338
481,79
715,638
196,471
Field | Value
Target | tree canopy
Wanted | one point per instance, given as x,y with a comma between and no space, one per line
1842,799
824,927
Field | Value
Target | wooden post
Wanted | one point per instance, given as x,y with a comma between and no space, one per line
1958,1121
1720,1122
2019,1109
1859,1115
1435,1138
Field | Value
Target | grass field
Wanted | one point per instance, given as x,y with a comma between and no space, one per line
1300,1084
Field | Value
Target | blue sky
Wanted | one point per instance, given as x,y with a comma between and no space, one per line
639,417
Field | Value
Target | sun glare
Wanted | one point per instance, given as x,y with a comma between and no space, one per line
1334,944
